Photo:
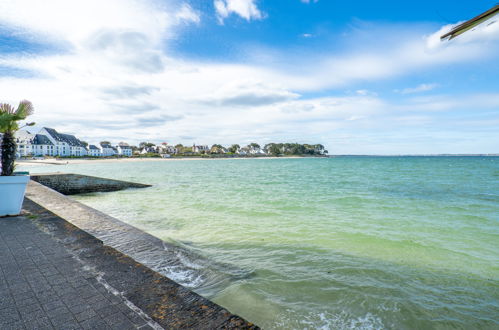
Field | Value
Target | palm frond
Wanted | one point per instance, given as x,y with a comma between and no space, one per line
6,122
6,108
24,109
9,116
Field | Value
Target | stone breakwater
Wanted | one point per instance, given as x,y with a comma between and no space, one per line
120,253
72,184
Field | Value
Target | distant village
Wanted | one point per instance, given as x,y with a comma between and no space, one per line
51,143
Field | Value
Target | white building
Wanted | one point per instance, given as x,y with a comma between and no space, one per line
200,149
256,151
107,150
93,151
48,142
42,146
124,150
149,150
164,148
243,151
24,140
64,144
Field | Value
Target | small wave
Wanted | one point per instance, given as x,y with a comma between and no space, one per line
328,320
185,266
185,277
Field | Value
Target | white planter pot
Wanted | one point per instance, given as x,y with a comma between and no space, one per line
12,189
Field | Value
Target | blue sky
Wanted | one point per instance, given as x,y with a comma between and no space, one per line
360,77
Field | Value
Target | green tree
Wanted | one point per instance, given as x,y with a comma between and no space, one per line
275,149
254,145
319,149
146,144
216,149
9,118
234,148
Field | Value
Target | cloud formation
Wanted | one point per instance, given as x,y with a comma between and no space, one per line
418,89
246,9
117,78
248,94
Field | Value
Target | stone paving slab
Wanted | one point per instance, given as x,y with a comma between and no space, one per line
54,275
43,286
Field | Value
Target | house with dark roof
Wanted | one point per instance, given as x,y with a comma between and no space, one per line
107,150
65,144
93,151
124,150
42,146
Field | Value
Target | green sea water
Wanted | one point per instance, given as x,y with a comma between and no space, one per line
338,243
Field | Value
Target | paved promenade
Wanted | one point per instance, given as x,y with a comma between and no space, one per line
56,275
44,286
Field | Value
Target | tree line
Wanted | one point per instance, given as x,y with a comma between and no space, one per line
277,149
274,149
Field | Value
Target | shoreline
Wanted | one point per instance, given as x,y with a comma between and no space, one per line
69,161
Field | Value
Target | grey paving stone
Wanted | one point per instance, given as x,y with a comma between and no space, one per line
31,308
38,323
9,315
42,286
56,304
55,279
26,295
75,309
16,325
108,310
73,300
6,300
116,318
85,315
61,312
33,314
123,325
61,320
22,304
94,323
71,325
98,302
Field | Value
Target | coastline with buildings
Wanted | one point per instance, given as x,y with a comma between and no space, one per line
48,142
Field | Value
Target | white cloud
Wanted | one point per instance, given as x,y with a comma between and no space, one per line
247,94
247,9
418,89
187,14
365,92
75,21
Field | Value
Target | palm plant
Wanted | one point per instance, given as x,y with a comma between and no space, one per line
9,118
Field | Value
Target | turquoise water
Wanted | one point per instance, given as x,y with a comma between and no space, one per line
351,242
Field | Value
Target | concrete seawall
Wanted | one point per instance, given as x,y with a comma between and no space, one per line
71,184
130,260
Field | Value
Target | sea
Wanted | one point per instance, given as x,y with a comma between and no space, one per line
323,243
